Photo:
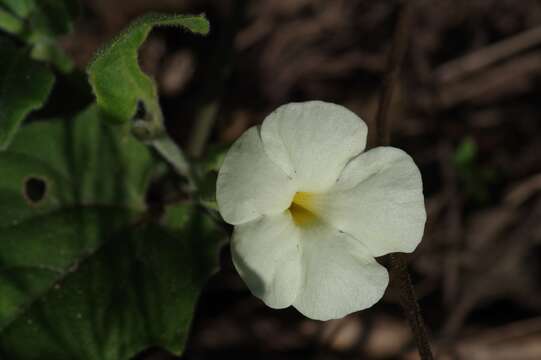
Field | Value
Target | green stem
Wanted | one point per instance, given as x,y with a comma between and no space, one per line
151,131
400,277
170,151
219,71
202,129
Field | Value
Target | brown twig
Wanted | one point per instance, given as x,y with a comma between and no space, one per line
398,263
509,78
408,300
466,65
394,61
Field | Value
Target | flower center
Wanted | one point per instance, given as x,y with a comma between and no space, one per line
302,208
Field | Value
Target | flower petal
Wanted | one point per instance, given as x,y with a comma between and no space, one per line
313,141
378,199
340,275
249,184
266,253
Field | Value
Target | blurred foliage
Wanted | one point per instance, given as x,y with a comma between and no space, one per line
475,179
207,173
39,23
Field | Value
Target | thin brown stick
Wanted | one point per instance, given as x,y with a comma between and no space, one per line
408,300
392,71
399,270
482,58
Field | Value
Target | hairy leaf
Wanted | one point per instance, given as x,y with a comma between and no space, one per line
116,78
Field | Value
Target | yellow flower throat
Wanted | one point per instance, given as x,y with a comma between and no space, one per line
302,208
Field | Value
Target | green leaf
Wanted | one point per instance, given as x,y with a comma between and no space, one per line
465,153
39,23
475,177
24,87
116,78
48,51
21,8
9,22
85,272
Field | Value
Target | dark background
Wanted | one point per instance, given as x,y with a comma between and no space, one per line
466,108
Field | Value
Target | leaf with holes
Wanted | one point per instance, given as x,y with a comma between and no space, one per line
85,270
115,75
39,23
24,87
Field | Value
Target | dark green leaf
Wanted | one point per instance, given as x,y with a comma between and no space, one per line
137,290
116,78
84,271
24,87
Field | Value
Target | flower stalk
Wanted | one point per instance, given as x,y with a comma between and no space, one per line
400,277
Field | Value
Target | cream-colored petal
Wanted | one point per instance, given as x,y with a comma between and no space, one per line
339,275
313,141
379,200
266,253
249,184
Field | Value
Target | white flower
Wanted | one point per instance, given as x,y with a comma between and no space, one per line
311,210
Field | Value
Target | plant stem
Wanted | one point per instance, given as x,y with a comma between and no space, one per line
398,262
401,277
219,72
201,132
166,147
392,71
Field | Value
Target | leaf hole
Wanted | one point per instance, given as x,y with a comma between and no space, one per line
141,111
35,189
